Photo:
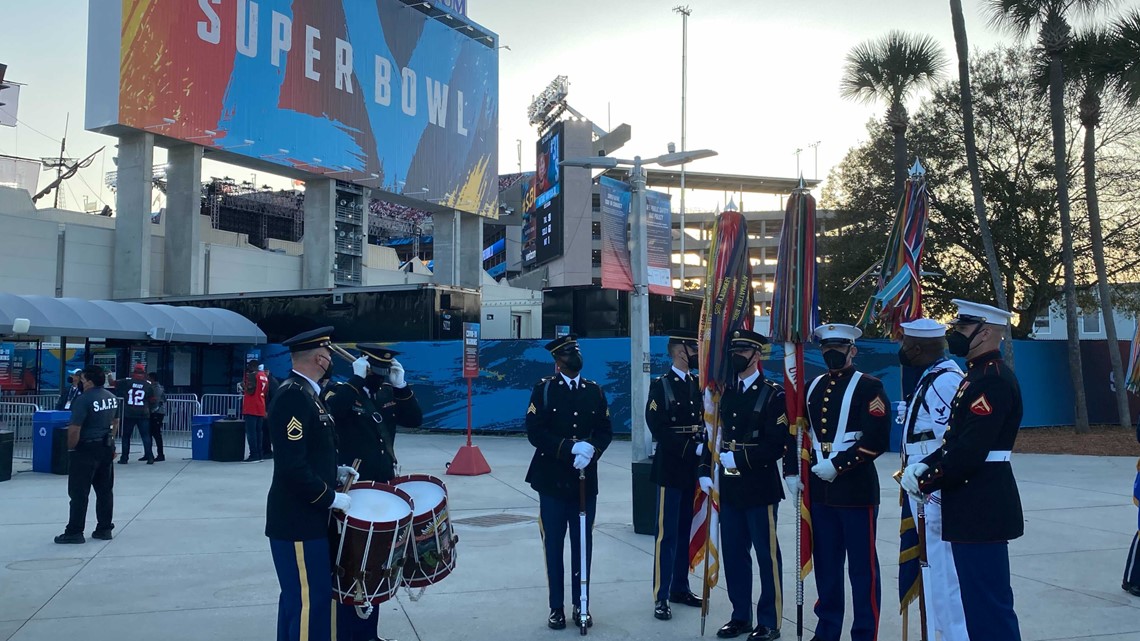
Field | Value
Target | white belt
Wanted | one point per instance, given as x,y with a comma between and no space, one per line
831,448
922,448
999,456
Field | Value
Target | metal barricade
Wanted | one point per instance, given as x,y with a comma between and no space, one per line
177,430
41,401
222,404
17,417
182,397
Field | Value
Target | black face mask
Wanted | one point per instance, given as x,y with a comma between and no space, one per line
904,360
571,362
835,359
740,362
959,344
694,361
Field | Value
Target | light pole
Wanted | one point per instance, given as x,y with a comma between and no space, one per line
685,12
639,297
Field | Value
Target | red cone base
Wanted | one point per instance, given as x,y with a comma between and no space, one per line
469,461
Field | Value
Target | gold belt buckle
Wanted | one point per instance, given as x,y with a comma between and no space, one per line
825,448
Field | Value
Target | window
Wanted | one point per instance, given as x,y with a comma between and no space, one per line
1042,324
1090,323
596,202
596,257
596,229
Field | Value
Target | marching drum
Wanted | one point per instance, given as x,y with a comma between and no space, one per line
369,557
431,554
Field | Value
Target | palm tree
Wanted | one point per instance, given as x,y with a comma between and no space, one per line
1054,35
966,93
1089,72
1124,57
890,69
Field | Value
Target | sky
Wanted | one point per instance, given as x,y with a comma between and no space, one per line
763,78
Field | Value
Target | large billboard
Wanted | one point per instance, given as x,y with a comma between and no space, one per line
375,92
542,237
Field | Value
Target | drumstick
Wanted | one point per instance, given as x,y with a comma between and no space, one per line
341,352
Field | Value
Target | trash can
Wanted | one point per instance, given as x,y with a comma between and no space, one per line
227,441
644,498
7,449
201,428
49,450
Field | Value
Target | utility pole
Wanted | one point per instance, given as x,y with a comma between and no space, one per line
519,142
685,11
59,166
815,148
798,152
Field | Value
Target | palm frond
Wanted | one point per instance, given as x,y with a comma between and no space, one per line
1023,17
891,67
1124,56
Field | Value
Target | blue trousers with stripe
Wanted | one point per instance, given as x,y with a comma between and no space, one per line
671,554
1132,566
350,627
987,596
304,570
755,528
839,534
556,518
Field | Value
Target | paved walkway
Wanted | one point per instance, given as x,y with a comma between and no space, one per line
189,560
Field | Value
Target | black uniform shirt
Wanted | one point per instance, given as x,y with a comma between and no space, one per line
557,417
675,416
94,411
365,424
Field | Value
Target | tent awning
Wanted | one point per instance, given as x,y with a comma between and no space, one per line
79,318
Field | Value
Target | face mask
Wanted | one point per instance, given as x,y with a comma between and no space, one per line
835,359
571,362
740,362
905,360
694,361
959,344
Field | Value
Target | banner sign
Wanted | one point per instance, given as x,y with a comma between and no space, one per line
376,92
617,272
470,350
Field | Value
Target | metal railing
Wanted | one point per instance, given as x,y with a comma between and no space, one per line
182,397
222,404
177,430
17,417
41,401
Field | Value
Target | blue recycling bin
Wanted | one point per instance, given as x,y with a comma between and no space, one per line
45,439
201,427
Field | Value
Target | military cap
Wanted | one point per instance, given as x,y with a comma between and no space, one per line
923,328
686,337
746,339
305,341
378,355
837,334
974,313
563,344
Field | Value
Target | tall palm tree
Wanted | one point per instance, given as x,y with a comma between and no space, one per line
1050,18
890,69
1124,57
966,94
1088,70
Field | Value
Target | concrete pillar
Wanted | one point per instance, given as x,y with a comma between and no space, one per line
183,272
446,234
470,251
130,275
318,243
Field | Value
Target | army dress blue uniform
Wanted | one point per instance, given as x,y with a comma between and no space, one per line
674,413
1131,582
849,429
981,507
300,496
563,412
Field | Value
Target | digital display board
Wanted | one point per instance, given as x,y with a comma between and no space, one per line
542,237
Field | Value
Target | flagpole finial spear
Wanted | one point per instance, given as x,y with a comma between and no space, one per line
917,170
802,184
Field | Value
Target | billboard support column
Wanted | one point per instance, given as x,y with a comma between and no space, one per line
320,234
130,274
470,250
183,264
446,233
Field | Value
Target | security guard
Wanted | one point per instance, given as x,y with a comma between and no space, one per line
754,437
568,423
91,446
926,415
849,428
674,413
981,508
366,409
1131,582
302,493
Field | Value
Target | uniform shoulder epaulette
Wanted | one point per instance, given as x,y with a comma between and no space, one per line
544,380
871,379
586,381
776,387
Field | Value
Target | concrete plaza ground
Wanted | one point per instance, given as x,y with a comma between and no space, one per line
189,560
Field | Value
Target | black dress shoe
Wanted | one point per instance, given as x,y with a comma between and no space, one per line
102,535
160,458
557,619
661,611
734,629
76,537
763,633
123,461
686,598
578,617
1131,588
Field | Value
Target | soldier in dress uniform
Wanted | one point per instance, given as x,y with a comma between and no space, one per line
675,416
849,427
568,423
755,437
1131,582
981,508
305,475
366,409
926,416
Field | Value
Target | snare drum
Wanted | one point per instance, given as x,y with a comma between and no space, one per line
431,555
369,557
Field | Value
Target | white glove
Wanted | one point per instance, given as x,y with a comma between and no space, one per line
360,366
795,485
825,470
900,412
728,460
706,484
700,448
581,461
396,375
261,368
343,473
582,448
341,501
910,476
